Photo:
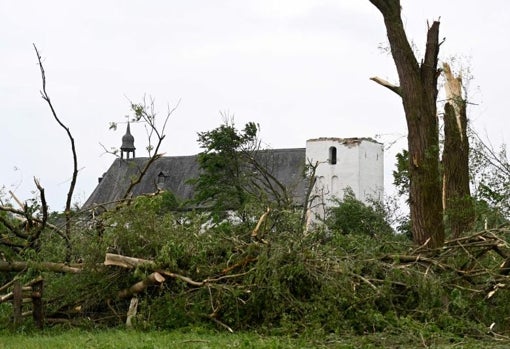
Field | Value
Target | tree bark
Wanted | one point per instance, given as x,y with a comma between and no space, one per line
457,202
43,266
17,303
418,89
37,303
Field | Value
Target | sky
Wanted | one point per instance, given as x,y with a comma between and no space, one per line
298,68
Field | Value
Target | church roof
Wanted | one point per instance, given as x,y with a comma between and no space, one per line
173,172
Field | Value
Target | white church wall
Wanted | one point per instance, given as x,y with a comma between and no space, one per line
371,174
353,163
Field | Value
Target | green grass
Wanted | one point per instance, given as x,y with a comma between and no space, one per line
198,338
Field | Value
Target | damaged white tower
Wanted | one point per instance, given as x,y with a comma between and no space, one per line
344,163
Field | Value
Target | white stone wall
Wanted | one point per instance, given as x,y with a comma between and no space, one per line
359,166
371,174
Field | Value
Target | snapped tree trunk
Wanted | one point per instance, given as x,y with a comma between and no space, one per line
457,202
418,90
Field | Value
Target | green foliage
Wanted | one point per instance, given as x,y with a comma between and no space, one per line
137,229
401,173
490,173
222,184
351,216
323,283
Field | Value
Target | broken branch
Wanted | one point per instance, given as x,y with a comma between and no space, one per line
387,84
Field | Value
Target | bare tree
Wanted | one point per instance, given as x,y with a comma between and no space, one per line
32,219
418,90
67,210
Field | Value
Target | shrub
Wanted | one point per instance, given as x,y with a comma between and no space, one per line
352,216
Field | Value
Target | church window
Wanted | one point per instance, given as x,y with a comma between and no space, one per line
332,155
161,180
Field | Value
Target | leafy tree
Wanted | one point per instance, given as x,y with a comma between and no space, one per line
222,183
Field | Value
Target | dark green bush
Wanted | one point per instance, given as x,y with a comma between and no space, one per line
351,216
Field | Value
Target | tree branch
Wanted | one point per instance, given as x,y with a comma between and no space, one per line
387,84
46,97
150,118
43,266
35,236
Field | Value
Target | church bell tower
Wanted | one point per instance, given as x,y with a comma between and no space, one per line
128,144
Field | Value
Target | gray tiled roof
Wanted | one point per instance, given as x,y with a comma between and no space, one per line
287,165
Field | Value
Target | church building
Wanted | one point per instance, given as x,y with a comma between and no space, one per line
341,163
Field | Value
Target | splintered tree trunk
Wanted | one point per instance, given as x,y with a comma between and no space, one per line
457,202
418,89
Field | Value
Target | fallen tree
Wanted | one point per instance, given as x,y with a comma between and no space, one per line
230,279
40,266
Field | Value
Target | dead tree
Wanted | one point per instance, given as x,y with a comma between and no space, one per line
67,211
418,90
457,202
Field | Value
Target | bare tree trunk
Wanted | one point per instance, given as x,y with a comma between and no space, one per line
457,202
418,89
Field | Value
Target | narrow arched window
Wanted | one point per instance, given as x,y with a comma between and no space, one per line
161,180
332,155
334,184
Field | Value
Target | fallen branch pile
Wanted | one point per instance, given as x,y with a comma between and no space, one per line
480,262
242,283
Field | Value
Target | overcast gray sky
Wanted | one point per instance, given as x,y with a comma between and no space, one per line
299,68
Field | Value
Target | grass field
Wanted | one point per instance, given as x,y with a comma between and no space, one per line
207,339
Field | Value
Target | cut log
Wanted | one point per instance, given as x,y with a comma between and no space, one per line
152,279
125,262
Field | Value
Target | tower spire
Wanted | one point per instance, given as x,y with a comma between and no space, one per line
128,143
